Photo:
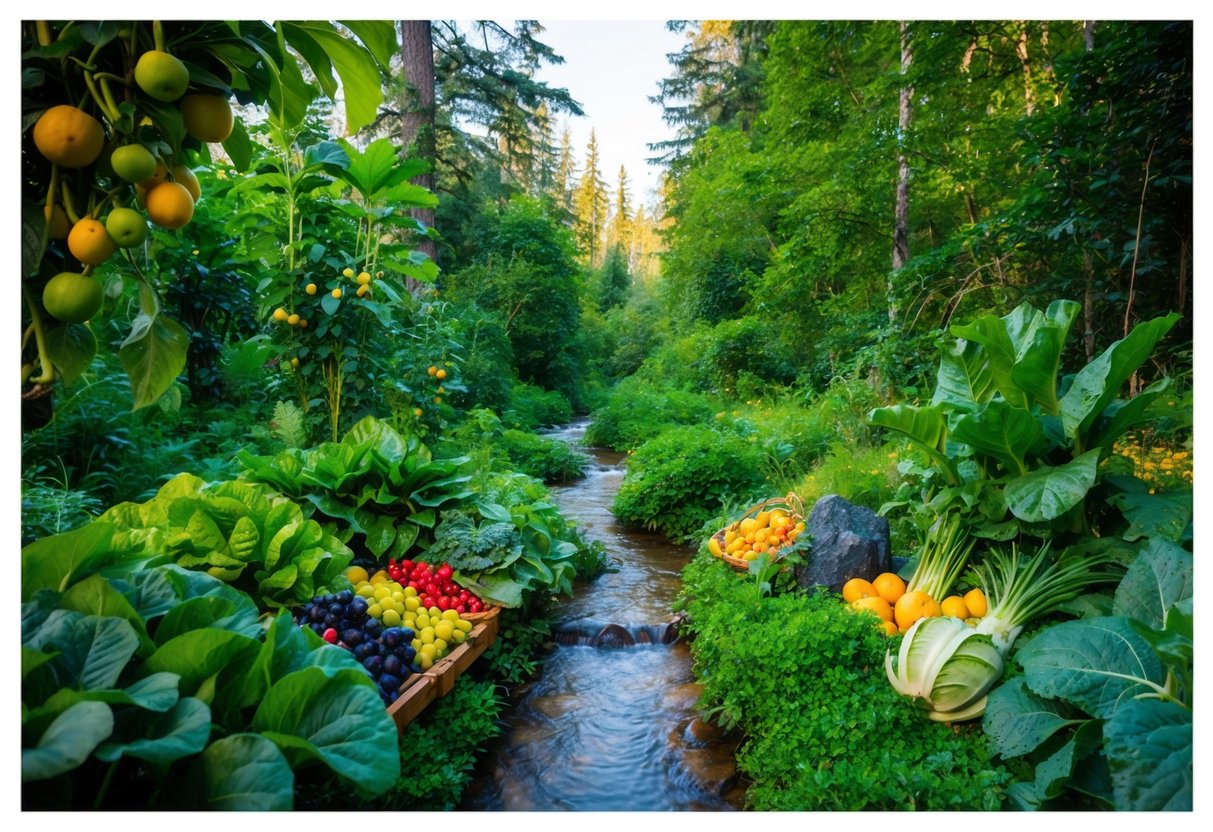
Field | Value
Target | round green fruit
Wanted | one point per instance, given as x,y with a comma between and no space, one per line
126,227
134,163
161,76
72,297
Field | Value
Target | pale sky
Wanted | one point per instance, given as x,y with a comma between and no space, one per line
611,68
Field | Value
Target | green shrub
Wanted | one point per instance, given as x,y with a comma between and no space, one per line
544,459
682,478
635,413
803,678
533,407
743,348
866,476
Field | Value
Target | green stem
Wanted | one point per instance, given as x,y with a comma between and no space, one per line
108,94
44,33
69,206
158,36
112,115
105,784
48,369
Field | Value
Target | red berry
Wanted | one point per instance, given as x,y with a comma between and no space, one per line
445,571
330,635
444,603
464,595
406,565
391,561
422,565
431,589
460,608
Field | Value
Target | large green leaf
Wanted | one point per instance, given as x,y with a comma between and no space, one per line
378,36
360,82
153,355
1054,772
1096,385
1038,353
1017,721
1167,515
1004,432
338,719
92,649
96,596
1097,664
163,738
991,332
1149,748
925,425
239,147
1120,415
1160,577
963,381
208,611
68,741
247,772
71,348
1049,492
197,655
54,562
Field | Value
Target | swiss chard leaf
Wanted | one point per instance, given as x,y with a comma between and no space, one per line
92,649
1097,664
1006,433
55,562
197,655
1049,492
162,738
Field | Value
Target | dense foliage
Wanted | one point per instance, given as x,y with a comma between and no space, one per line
824,729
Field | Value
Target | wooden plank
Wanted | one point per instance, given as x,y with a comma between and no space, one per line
420,689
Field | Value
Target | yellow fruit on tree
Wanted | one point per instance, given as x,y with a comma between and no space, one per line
954,606
975,602
889,586
161,76
440,375
857,588
293,318
364,278
913,606
187,178
170,205
294,362
363,291
208,118
158,176
417,412
874,604
68,136
280,314
348,272
90,243
310,288
72,297
432,371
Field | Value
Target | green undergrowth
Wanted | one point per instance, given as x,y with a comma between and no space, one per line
802,677
684,477
635,412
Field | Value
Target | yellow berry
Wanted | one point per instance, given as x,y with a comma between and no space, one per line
438,400
293,319
311,289
337,294
348,272
294,362
280,314
363,279
363,290
302,322
417,412
440,375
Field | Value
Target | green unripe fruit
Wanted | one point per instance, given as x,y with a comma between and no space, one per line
126,227
72,297
161,76
134,163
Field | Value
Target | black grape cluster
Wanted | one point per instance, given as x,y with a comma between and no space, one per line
385,652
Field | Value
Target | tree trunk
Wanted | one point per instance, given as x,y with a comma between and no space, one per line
417,121
901,241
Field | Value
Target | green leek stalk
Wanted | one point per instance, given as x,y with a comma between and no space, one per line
942,558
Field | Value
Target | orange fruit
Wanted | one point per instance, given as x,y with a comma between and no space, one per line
913,606
293,319
170,205
975,601
161,76
857,588
72,297
417,412
158,176
432,371
186,177
954,606
90,243
890,628
440,375
68,136
59,223
280,314
336,293
889,587
208,118
876,605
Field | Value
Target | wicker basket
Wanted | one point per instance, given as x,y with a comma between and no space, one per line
791,503
487,613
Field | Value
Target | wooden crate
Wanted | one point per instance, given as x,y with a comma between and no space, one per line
420,689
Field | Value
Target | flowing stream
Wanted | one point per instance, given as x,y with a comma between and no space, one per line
609,723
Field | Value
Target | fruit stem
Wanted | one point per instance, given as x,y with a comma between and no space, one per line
158,36
48,369
109,195
110,101
101,103
44,33
68,206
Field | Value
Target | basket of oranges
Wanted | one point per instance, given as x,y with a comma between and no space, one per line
770,527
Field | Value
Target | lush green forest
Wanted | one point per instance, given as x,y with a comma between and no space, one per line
927,266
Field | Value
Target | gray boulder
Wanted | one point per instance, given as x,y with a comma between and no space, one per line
848,541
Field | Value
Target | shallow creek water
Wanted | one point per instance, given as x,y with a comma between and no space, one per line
610,727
